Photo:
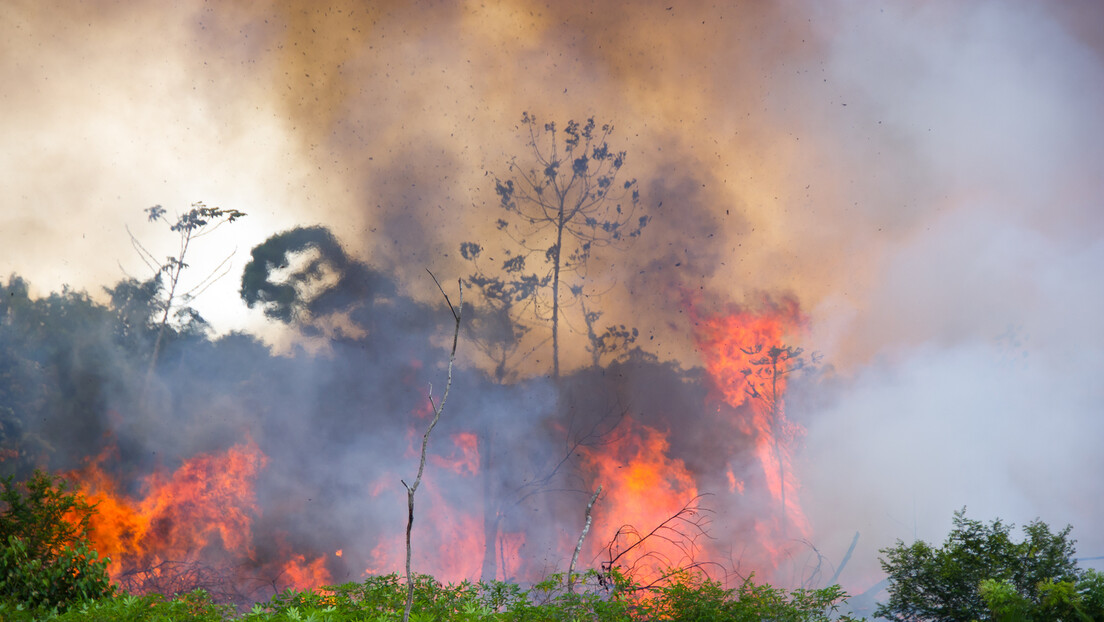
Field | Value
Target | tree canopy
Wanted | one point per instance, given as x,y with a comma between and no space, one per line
563,200
980,571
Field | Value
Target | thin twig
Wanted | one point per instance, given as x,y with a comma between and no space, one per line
437,410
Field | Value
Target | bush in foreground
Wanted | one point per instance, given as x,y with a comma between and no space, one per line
687,597
46,559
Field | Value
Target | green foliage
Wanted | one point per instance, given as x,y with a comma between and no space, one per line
1091,589
693,597
377,598
192,607
1053,601
978,567
1004,602
684,595
603,598
46,560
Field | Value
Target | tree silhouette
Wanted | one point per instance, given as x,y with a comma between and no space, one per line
563,201
762,384
189,226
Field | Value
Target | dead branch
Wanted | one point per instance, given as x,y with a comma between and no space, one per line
169,577
579,545
682,531
437,410
846,558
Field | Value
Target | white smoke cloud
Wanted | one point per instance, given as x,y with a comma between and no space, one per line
971,347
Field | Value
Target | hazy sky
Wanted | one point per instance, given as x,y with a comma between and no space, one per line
926,177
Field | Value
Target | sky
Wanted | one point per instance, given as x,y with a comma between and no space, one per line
926,178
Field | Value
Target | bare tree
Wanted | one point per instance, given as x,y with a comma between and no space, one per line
566,200
437,410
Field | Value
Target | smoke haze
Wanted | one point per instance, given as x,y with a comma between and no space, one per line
925,178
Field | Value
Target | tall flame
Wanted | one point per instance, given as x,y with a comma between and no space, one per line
747,359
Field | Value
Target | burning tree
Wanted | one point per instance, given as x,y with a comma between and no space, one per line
564,203
764,374
745,356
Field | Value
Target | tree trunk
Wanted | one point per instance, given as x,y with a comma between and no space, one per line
556,293
776,423
490,506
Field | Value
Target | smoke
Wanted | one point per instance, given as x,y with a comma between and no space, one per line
966,340
925,178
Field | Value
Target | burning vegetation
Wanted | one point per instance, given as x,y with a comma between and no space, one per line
228,467
283,471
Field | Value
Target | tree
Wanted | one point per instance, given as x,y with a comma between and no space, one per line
195,223
617,340
60,368
762,384
303,276
946,583
565,202
494,324
1080,601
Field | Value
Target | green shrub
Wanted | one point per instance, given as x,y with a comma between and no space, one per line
377,598
46,560
694,597
191,607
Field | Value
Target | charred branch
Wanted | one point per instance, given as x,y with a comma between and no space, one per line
456,311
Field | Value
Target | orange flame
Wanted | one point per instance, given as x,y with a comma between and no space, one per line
299,574
464,459
746,357
642,488
207,504
448,532
448,539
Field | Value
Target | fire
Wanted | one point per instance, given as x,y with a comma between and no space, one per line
643,488
464,459
206,506
448,533
745,354
446,538
645,522
299,574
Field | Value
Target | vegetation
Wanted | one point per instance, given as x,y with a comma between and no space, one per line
382,598
980,573
564,202
72,371
46,560
189,226
48,571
